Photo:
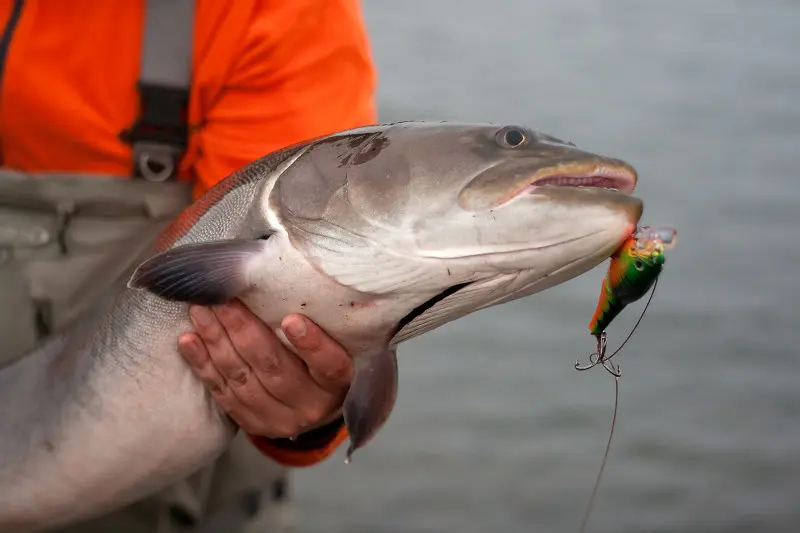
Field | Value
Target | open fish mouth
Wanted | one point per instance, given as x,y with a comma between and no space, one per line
521,177
620,178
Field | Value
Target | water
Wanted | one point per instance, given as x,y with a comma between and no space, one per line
493,429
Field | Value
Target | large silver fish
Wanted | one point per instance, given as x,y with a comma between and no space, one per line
378,234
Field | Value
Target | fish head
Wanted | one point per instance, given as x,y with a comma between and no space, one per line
430,205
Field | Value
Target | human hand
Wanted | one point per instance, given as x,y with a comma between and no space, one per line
262,385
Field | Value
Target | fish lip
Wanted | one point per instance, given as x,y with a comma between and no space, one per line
511,179
612,175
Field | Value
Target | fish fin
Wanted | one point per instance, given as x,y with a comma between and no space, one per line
371,397
207,273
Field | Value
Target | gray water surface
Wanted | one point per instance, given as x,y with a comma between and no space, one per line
493,429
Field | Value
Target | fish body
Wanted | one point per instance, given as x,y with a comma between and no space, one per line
633,270
378,234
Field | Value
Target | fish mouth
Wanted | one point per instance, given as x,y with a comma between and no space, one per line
614,176
609,182
511,180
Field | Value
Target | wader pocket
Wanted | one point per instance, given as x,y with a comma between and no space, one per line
24,236
18,324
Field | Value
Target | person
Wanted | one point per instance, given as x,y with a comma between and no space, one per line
113,117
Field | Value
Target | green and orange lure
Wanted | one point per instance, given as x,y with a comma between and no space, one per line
634,269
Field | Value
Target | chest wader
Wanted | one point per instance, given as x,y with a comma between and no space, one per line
64,238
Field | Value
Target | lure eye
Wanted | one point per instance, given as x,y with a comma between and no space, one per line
638,265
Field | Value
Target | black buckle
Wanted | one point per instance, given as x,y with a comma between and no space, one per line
160,134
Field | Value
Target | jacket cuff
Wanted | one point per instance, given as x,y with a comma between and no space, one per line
308,449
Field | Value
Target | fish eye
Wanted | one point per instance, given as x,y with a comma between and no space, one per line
639,265
510,137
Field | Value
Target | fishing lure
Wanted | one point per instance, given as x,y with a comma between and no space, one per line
634,269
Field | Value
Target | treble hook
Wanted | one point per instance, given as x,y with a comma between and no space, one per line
599,357
611,368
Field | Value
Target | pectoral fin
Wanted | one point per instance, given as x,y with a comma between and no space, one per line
371,397
209,273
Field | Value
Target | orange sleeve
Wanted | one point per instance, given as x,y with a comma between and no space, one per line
308,449
303,70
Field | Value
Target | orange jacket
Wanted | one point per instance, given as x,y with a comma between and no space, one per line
266,74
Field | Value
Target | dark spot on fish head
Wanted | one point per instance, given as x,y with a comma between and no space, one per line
352,143
371,149
352,304
355,141
303,304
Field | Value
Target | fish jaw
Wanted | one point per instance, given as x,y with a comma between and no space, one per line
543,228
584,228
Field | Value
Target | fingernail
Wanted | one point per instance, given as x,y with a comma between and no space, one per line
295,328
200,315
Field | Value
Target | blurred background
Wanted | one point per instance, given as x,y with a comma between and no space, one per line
494,430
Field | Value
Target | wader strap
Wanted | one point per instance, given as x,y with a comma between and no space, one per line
160,134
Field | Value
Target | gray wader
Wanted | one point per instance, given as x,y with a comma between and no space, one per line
65,238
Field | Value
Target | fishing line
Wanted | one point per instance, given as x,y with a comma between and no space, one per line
614,371
590,506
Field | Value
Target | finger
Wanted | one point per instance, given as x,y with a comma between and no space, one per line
280,420
327,362
235,371
282,373
194,352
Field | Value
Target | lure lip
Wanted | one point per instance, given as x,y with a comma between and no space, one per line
651,237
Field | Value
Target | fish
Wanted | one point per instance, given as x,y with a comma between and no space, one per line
378,234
